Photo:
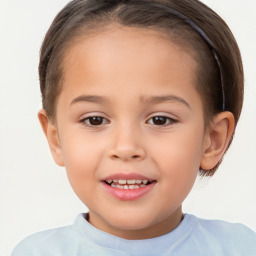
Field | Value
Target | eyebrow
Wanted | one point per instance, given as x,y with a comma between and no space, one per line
144,99
163,99
89,98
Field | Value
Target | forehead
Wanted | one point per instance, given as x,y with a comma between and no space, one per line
122,45
122,58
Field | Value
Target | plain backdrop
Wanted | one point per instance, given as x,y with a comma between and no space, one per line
34,192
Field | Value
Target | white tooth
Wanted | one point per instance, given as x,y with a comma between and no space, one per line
138,181
145,181
130,181
126,187
131,186
142,185
109,181
136,186
122,182
119,186
113,185
115,180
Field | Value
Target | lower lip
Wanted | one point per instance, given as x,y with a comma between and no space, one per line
128,194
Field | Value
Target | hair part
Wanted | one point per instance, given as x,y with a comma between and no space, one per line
83,18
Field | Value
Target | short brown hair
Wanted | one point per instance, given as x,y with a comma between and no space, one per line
83,17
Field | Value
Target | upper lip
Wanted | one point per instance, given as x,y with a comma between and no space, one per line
127,176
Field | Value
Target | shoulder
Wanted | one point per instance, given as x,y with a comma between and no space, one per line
43,242
228,236
225,228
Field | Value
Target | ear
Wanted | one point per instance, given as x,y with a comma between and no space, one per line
51,134
217,139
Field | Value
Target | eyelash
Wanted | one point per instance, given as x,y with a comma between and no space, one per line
90,118
169,120
88,121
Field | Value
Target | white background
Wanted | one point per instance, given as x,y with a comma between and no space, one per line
34,192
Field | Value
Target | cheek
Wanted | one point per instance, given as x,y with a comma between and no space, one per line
178,158
181,150
81,156
79,149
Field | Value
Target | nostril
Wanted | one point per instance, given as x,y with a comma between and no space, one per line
126,154
115,156
125,157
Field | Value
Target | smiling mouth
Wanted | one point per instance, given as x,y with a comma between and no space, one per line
128,184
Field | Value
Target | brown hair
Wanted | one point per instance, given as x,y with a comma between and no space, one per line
84,17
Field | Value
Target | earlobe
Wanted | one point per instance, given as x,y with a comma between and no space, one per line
217,139
51,134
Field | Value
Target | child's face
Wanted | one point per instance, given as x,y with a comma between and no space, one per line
150,126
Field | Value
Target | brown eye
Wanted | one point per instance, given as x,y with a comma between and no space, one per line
94,120
161,120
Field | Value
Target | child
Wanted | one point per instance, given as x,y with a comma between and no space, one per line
138,96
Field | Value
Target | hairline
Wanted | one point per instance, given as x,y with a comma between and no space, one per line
94,29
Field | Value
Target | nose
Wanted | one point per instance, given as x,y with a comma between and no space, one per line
127,145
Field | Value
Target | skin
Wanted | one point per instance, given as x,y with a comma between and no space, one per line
126,68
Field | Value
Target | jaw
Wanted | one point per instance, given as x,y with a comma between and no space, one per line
134,227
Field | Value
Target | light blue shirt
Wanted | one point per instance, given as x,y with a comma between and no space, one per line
193,237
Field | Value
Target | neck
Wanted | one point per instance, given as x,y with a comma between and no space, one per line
160,228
